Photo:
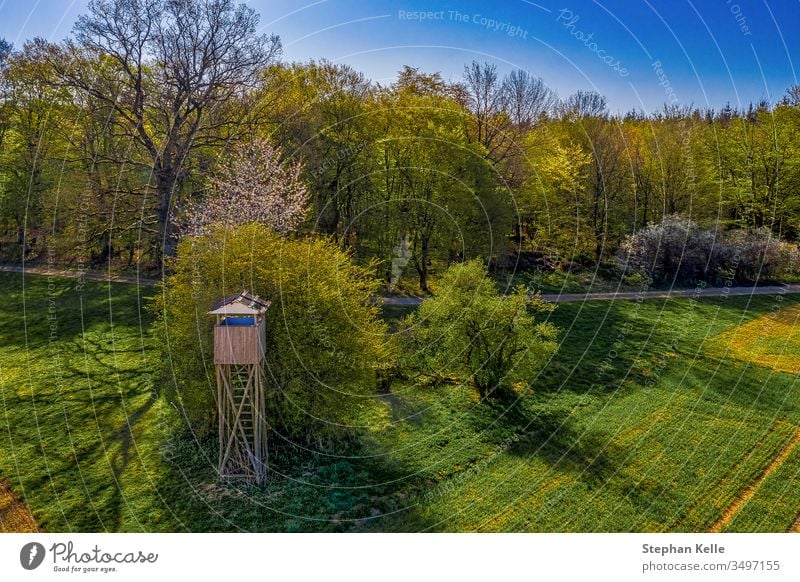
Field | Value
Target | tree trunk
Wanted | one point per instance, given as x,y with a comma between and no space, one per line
598,230
131,251
645,209
422,270
166,182
422,263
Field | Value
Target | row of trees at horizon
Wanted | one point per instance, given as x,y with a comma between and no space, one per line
108,137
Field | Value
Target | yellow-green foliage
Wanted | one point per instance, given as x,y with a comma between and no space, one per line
469,329
325,341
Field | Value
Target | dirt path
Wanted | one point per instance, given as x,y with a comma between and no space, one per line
14,514
796,525
628,295
748,493
75,274
412,300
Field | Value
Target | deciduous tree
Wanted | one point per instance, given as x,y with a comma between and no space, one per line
169,64
469,329
255,186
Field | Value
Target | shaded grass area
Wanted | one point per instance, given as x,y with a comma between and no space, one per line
81,423
637,424
633,427
598,280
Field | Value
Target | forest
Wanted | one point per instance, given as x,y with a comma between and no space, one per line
110,138
454,326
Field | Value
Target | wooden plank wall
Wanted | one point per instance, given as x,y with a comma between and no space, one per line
239,345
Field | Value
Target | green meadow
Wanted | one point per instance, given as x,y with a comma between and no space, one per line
640,422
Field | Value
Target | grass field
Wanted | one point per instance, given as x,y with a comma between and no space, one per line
14,514
637,426
81,422
772,340
643,421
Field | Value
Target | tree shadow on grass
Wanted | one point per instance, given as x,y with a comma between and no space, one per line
340,490
607,347
552,438
548,437
56,309
123,398
747,385
80,420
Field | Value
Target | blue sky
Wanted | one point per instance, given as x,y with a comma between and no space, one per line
709,51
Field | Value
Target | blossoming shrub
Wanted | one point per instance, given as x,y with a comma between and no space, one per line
678,251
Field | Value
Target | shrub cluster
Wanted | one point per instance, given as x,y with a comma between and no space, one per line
469,330
325,341
677,250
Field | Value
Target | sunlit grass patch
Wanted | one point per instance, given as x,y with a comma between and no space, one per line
14,515
771,341
773,505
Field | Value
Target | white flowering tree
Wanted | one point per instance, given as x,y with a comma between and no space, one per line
255,186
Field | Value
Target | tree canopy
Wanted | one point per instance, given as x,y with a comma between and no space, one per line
112,136
325,343
491,340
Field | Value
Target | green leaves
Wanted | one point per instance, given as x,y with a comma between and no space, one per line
471,330
325,341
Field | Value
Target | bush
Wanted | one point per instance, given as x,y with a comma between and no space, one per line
677,250
325,342
673,250
469,329
758,255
